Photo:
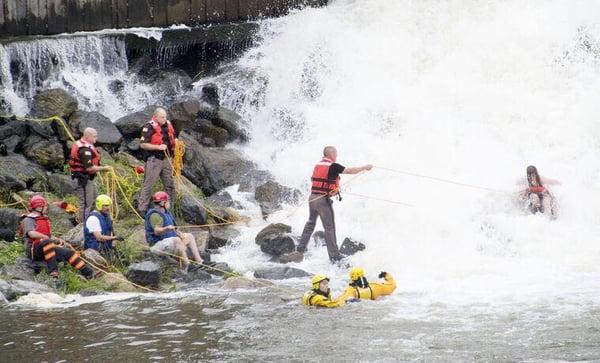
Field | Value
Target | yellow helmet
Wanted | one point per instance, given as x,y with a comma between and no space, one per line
356,273
103,200
316,280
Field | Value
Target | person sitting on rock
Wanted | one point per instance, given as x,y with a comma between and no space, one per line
41,246
161,232
320,295
98,229
360,288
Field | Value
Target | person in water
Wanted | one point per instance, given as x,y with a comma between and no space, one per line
536,195
320,295
360,288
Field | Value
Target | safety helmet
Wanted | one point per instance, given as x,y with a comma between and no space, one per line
356,273
103,200
160,197
316,280
37,201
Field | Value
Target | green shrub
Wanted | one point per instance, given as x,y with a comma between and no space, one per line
10,252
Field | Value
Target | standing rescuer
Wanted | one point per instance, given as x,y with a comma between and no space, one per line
325,184
85,163
158,140
41,246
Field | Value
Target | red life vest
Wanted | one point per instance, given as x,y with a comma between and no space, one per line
76,164
537,189
157,136
42,225
320,182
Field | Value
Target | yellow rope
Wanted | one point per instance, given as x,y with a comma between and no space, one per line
20,202
177,164
48,119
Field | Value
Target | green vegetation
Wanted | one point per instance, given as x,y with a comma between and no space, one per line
9,253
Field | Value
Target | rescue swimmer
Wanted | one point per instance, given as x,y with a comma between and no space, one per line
158,140
361,288
41,246
325,184
536,197
84,164
320,295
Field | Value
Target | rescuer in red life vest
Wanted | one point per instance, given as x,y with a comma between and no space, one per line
85,163
325,184
158,140
41,246
536,195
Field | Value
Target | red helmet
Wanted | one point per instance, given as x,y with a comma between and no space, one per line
37,201
160,197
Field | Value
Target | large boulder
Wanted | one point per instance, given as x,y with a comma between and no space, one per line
95,258
280,273
231,122
14,289
275,239
218,135
273,230
193,211
108,133
3,300
219,269
222,199
61,220
222,236
146,273
210,94
291,257
18,173
9,218
350,247
241,282
271,195
60,184
75,236
183,114
18,271
53,102
131,125
195,273
116,282
47,153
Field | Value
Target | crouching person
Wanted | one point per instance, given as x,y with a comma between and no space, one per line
161,232
98,229
39,244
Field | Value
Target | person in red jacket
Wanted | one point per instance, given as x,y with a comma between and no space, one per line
537,197
158,140
85,163
325,184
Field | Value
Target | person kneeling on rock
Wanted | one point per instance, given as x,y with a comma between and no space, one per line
360,288
161,232
320,295
39,244
98,229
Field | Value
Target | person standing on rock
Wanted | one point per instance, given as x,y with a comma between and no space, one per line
161,232
325,184
41,246
85,163
98,229
158,140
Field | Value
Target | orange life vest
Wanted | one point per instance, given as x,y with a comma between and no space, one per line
157,136
321,184
76,164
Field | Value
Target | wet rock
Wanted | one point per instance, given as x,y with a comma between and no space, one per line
210,94
108,133
12,144
231,122
193,211
223,199
117,282
241,282
53,102
47,153
9,218
171,84
75,236
195,273
62,221
280,273
16,288
131,125
291,257
219,135
183,114
3,300
116,86
350,247
18,271
145,273
18,173
221,236
14,128
201,238
271,231
279,245
60,184
95,257
219,269
271,195
7,235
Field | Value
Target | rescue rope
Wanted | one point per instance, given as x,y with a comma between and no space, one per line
109,183
19,202
177,164
442,180
48,119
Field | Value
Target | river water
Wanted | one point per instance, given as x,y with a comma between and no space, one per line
465,91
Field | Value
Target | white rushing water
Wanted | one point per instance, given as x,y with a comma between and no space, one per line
469,91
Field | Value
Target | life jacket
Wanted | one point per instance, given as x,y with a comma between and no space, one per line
76,164
42,225
537,189
106,225
168,220
157,136
307,298
320,182
363,292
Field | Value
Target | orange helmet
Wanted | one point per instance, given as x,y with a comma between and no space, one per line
160,197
